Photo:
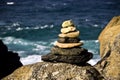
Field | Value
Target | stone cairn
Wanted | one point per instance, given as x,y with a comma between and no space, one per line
68,48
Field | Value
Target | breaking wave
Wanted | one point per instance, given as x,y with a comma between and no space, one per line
31,51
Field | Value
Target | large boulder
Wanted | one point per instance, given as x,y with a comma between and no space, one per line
9,61
55,71
109,40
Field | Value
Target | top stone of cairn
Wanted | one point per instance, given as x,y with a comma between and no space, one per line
67,23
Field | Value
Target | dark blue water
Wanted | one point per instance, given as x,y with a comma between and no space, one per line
30,27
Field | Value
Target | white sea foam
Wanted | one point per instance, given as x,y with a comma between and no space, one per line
51,26
8,40
95,25
87,20
37,58
45,26
31,59
39,48
10,3
25,48
19,29
34,49
36,28
16,24
13,40
93,61
27,28
96,41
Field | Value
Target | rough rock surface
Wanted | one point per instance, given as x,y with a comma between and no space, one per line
66,51
109,40
55,71
81,59
9,61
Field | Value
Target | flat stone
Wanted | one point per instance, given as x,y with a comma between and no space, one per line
68,40
68,45
81,59
67,23
76,51
68,29
70,35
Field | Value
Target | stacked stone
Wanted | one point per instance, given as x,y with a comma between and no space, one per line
68,47
69,36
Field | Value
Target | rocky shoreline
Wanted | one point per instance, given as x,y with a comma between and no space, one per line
68,60
9,61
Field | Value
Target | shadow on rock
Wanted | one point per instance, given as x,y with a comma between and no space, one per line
9,61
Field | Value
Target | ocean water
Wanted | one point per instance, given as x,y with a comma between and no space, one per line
30,27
